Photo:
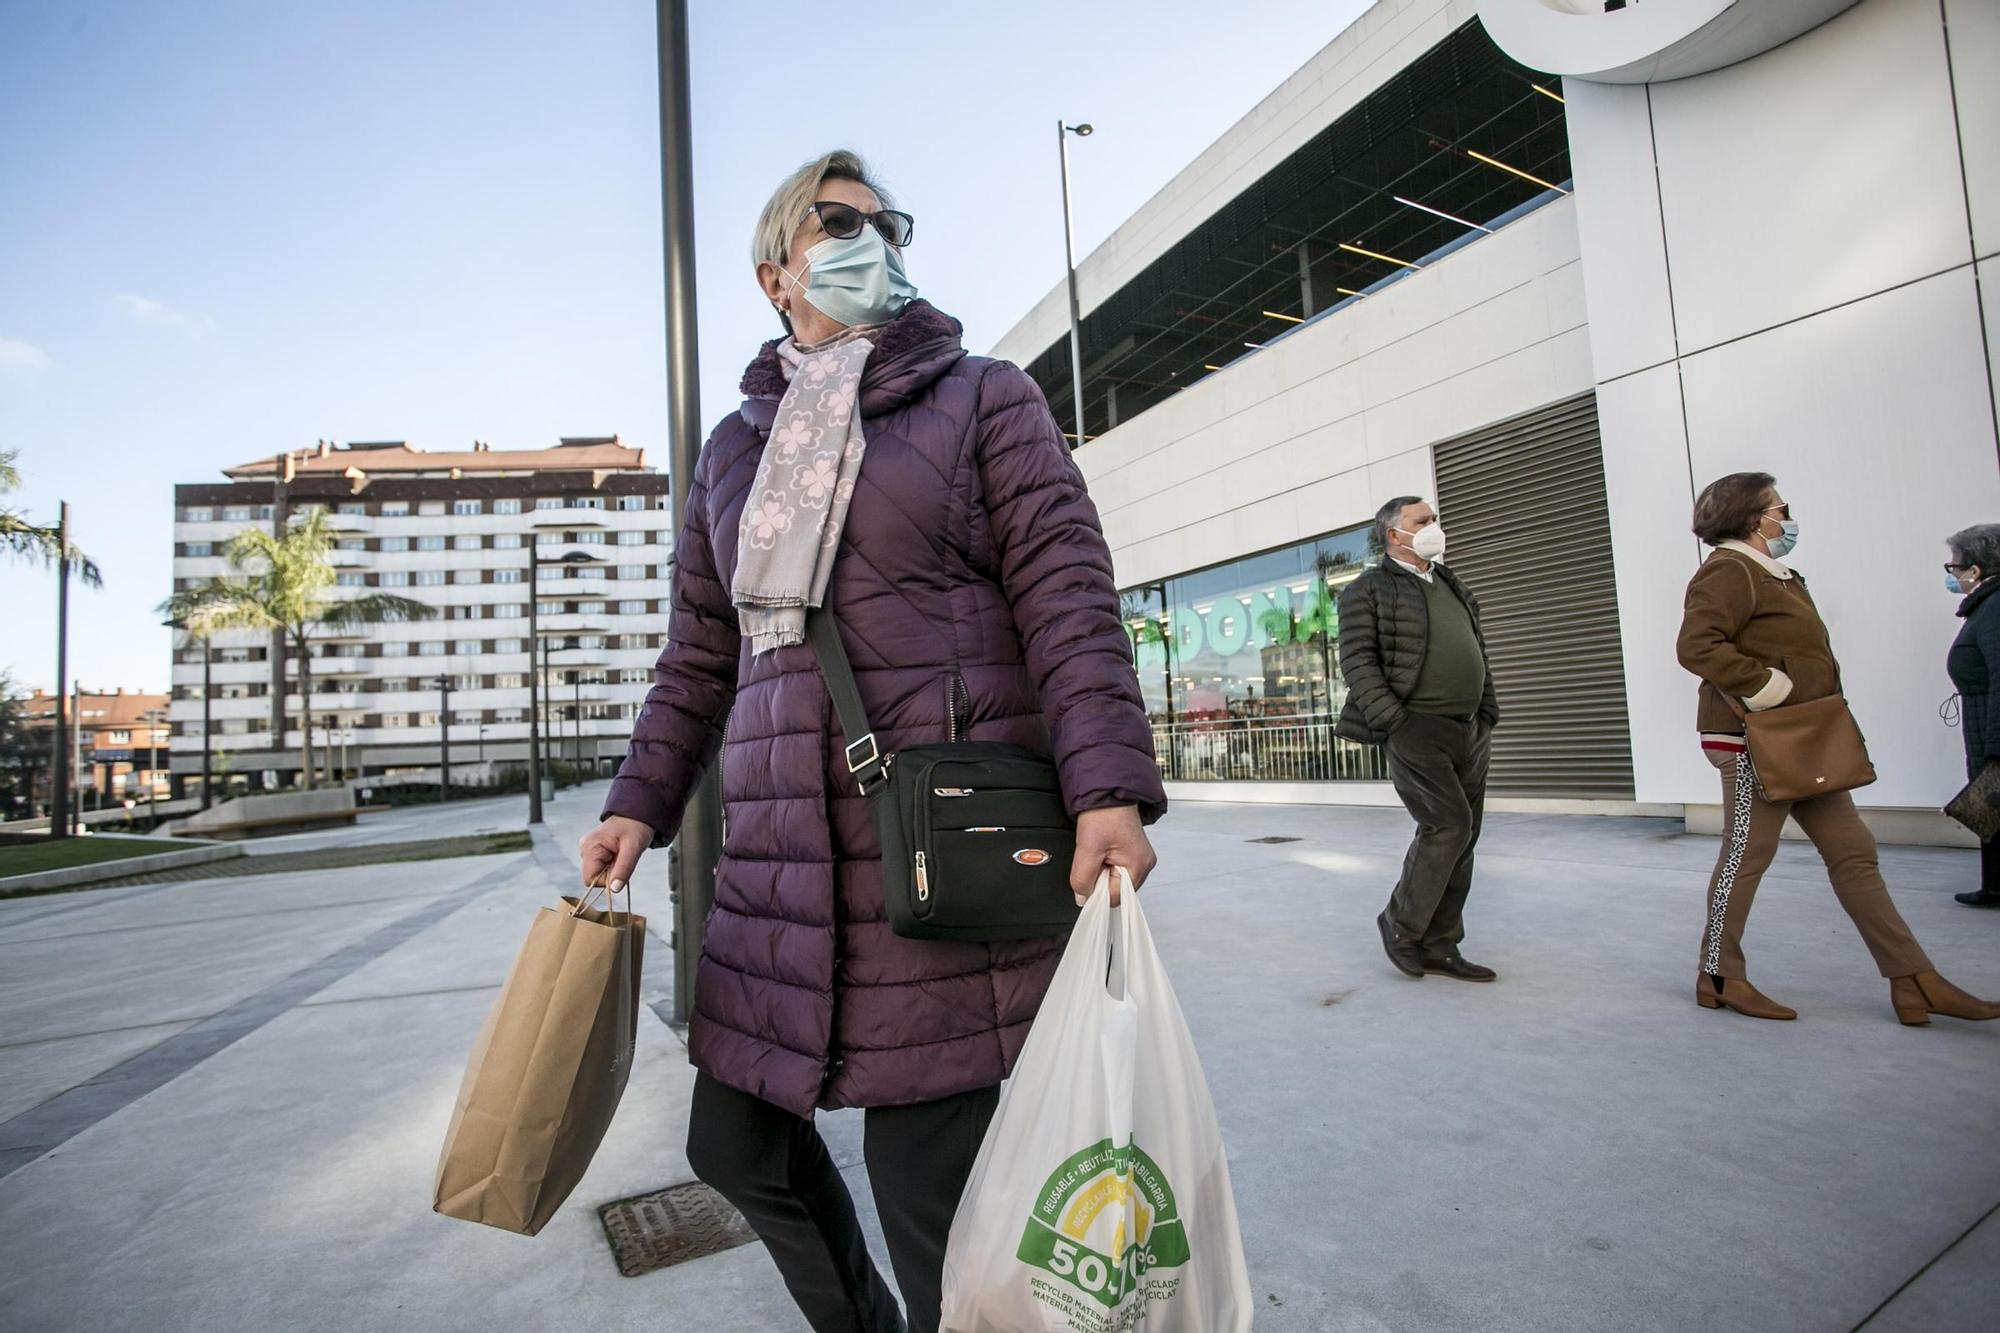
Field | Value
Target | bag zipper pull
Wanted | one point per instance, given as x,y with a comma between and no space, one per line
988,828
951,791
923,881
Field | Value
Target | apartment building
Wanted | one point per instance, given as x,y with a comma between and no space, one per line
455,530
118,749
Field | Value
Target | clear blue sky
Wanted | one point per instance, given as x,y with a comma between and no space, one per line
234,228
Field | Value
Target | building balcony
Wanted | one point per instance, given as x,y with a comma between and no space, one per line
330,667
576,657
350,559
350,522
574,622
569,517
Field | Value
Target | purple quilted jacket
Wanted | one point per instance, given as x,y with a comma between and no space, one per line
972,560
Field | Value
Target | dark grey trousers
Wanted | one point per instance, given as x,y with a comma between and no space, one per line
1438,765
776,1169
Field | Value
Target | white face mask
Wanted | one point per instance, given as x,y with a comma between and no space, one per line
1426,543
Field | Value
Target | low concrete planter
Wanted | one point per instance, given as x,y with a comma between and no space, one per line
71,876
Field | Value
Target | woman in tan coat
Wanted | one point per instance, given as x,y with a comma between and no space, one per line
1750,630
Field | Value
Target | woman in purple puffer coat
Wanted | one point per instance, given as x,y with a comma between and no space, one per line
929,497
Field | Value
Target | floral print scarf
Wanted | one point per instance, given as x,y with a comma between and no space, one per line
791,524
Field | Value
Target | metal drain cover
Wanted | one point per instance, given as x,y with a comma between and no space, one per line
671,1226
1274,838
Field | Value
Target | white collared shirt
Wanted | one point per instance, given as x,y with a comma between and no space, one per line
1423,574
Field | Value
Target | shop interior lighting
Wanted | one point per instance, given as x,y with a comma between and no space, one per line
1514,171
1349,291
1436,213
1554,96
1206,366
1273,314
1375,254
1254,346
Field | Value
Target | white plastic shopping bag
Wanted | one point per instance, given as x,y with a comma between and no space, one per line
1100,1201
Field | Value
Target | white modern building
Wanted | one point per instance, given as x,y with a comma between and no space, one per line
453,530
1556,267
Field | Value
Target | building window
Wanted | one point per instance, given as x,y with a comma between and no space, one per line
236,514
395,720
514,612
466,508
588,572
590,502
630,641
507,541
198,514
352,544
265,511
549,502
395,543
510,645
431,648
200,548
466,541
509,680
549,538
396,578
430,578
468,576
430,508
506,576
631,572
632,538
634,676
467,647
632,608
395,509
1239,669
350,579
590,539
395,684
427,719
395,648
430,543
506,506
590,640
353,509
628,503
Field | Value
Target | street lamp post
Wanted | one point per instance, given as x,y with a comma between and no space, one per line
59,786
535,563
1069,258
444,738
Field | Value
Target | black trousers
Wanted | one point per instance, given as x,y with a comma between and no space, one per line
1989,866
775,1169
1438,766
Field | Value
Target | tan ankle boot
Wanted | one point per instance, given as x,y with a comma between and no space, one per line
1739,995
1918,997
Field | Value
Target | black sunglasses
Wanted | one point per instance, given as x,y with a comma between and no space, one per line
844,222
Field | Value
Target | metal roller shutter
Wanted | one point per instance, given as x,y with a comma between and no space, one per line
1523,502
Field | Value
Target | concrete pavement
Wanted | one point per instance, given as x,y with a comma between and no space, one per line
1577,1146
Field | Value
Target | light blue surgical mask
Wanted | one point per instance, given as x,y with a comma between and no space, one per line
1952,585
1781,545
857,279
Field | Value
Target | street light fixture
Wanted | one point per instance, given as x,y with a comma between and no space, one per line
206,653
535,563
1069,258
443,684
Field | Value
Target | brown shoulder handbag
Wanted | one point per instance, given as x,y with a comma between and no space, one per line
1800,751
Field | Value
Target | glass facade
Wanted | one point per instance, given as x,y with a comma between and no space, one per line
1238,664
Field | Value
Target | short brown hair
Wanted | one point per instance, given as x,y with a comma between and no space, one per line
1729,507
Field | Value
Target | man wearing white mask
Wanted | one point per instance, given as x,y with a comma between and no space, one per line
1414,661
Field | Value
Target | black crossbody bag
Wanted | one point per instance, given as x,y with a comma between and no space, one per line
976,844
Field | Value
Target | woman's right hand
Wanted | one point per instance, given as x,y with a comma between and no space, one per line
612,850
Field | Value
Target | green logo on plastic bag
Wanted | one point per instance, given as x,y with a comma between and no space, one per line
1078,1231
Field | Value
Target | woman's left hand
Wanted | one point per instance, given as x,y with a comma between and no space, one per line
1112,836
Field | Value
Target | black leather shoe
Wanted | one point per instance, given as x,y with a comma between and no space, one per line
1403,953
1978,898
1455,966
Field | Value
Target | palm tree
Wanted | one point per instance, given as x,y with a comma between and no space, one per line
283,583
36,541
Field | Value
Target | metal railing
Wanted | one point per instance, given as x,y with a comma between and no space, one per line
1298,748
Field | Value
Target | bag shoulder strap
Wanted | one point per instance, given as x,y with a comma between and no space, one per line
865,759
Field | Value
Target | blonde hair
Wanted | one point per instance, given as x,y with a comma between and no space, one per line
780,220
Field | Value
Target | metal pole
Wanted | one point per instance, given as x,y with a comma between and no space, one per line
534,716
576,720
1069,262
701,826
59,788
444,739
76,749
206,654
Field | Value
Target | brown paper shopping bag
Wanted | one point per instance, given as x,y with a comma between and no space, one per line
547,1069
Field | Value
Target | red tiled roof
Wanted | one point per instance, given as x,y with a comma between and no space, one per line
574,454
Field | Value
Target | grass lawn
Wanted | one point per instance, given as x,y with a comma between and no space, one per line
27,858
